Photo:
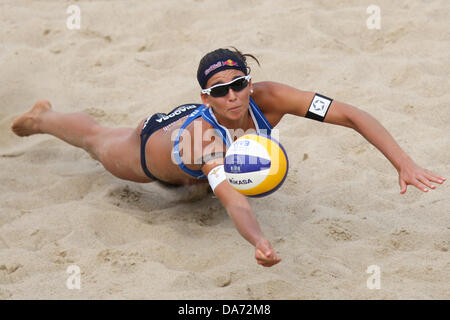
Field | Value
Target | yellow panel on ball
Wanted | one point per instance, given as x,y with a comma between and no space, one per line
256,165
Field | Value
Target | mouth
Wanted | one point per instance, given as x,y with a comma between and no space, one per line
234,109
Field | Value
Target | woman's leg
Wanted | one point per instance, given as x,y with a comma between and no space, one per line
116,148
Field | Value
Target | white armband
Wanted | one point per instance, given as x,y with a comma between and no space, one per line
216,176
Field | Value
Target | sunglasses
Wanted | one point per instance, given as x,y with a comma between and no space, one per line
222,89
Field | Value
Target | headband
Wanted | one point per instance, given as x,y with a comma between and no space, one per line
220,65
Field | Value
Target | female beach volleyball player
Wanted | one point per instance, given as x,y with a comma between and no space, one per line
157,149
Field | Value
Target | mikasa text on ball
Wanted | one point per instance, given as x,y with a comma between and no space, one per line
256,165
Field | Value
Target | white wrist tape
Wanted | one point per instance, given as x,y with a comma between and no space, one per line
216,176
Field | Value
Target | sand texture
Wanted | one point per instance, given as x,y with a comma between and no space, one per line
339,211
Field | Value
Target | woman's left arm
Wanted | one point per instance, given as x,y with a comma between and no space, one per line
283,99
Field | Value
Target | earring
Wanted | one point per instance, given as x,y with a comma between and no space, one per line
207,105
251,90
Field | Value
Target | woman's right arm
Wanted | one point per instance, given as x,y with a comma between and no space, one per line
244,219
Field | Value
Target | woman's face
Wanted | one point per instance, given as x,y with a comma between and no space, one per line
233,105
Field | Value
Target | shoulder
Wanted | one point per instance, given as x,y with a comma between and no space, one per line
264,93
270,93
269,97
277,99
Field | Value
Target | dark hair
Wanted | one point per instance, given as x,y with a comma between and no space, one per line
217,54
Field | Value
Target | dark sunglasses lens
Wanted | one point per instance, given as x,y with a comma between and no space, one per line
221,91
238,85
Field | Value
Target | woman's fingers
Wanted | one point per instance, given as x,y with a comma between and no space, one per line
265,260
259,255
403,186
263,257
269,263
415,182
426,182
422,179
428,178
264,253
435,178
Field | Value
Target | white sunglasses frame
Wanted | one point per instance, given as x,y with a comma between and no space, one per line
208,90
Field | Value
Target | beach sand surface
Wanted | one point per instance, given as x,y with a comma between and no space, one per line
339,213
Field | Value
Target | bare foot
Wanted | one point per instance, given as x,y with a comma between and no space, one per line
28,123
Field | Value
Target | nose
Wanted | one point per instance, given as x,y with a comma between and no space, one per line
231,94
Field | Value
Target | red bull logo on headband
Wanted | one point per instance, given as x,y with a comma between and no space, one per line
230,62
219,64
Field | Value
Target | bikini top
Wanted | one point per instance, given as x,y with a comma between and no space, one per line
260,121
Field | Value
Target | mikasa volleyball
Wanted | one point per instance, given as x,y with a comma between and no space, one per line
256,165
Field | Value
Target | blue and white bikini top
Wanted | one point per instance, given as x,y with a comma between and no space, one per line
260,121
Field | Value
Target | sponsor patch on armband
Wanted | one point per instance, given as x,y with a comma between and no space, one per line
216,176
319,107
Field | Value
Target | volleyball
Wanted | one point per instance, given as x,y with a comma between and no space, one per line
256,165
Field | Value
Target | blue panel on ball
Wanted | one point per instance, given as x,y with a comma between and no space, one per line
240,163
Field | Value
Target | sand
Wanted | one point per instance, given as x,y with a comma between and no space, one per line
339,211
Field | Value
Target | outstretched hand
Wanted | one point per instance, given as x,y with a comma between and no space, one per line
412,174
264,253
